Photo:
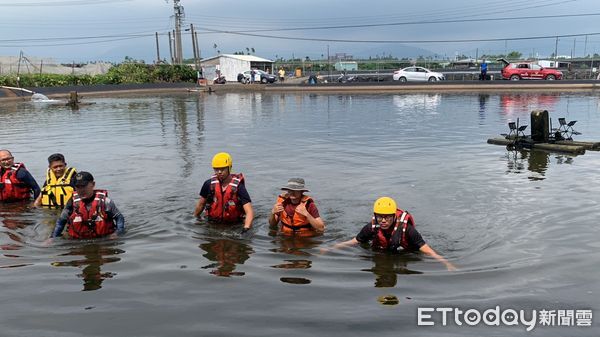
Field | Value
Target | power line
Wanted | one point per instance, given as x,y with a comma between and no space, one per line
408,41
416,23
61,3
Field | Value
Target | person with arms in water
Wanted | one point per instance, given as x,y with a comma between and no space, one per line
16,183
224,195
60,180
296,212
90,213
393,230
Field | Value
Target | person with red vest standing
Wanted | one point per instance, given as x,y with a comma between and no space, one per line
392,229
90,213
224,195
296,212
16,183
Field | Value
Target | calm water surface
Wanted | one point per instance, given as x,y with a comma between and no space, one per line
521,227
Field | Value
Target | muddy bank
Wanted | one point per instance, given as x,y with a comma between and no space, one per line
381,87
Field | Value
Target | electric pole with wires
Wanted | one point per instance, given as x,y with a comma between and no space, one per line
178,48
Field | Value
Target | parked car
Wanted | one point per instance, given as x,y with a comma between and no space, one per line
527,70
263,76
411,74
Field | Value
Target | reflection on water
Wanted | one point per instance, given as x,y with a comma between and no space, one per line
514,104
425,102
226,254
483,99
387,267
92,257
294,245
536,162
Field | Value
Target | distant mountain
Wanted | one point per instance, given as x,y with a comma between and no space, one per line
396,50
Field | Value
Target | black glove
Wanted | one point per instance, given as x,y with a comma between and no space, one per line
245,232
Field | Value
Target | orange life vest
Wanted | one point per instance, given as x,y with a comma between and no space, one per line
11,188
92,223
225,205
398,236
296,223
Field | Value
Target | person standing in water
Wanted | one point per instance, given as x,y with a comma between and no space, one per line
296,212
393,230
90,213
224,195
58,187
16,183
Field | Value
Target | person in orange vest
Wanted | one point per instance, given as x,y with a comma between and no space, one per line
224,195
296,212
16,183
392,230
90,213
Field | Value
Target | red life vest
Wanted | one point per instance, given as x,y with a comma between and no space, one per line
225,205
297,223
11,188
92,223
398,235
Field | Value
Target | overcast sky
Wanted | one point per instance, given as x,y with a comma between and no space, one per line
87,30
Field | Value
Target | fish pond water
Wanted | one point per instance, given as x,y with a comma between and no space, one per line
521,227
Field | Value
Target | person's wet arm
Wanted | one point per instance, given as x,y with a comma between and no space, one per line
312,216
249,215
62,221
425,249
199,206
28,180
115,214
204,194
275,215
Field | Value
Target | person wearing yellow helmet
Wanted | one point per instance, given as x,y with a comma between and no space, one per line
224,195
392,229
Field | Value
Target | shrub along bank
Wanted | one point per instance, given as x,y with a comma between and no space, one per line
125,73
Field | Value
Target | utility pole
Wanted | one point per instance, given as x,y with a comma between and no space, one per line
195,37
171,48
194,47
328,66
157,50
178,18
556,50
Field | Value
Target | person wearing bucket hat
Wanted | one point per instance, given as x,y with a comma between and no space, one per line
296,212
224,195
90,213
392,230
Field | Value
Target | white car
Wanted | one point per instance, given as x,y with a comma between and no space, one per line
413,74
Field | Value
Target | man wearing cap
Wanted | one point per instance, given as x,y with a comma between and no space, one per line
224,195
16,183
392,229
296,212
90,213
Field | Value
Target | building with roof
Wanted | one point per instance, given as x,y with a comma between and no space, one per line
231,65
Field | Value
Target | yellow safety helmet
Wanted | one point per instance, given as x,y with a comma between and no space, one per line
384,205
222,159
